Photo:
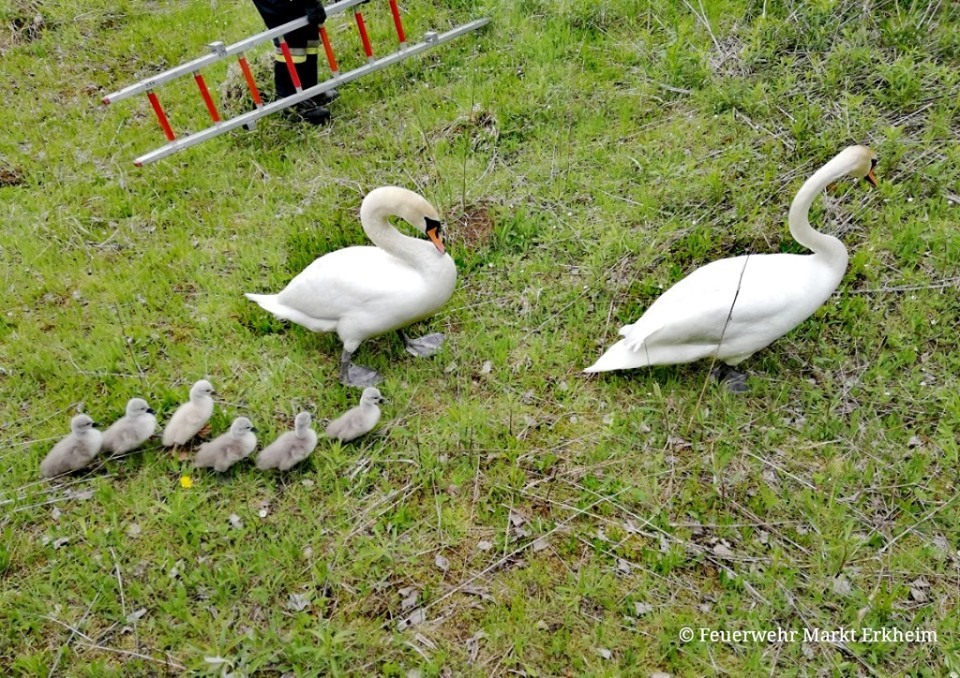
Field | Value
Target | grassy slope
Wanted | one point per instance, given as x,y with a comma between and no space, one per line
585,156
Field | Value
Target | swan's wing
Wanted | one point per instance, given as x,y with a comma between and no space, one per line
745,301
339,282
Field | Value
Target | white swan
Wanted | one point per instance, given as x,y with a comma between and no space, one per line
732,308
363,292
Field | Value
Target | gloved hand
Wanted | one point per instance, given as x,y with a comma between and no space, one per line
316,15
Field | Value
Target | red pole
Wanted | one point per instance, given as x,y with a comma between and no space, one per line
396,22
207,99
328,48
362,27
292,67
251,83
161,116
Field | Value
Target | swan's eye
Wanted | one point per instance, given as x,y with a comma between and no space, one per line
873,163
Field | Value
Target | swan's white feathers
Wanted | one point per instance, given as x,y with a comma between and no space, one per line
363,291
354,281
686,323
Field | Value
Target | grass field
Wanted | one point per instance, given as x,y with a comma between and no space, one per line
510,516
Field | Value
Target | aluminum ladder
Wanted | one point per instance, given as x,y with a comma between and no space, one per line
219,52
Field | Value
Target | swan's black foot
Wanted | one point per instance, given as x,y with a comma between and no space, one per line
425,346
360,377
732,378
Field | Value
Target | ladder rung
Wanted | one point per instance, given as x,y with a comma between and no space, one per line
364,38
395,10
328,48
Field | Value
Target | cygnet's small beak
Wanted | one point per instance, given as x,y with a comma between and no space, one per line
150,410
434,235
871,178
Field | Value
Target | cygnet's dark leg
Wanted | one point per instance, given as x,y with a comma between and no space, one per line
355,375
731,377
425,346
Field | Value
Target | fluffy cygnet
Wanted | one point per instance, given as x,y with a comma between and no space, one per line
190,417
223,452
75,451
131,430
359,420
290,448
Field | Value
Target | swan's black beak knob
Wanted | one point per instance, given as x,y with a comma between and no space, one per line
434,229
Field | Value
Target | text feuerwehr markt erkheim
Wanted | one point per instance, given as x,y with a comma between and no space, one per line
883,634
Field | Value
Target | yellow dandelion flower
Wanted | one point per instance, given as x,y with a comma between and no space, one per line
186,482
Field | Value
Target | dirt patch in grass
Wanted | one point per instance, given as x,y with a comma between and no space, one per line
11,176
473,226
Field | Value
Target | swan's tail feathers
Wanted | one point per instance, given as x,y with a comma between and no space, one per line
619,357
268,302
625,330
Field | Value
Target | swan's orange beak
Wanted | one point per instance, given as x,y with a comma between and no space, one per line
872,178
434,234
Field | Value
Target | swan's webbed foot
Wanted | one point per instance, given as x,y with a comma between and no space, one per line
425,346
356,375
734,380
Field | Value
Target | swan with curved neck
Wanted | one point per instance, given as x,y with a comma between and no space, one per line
363,292
732,308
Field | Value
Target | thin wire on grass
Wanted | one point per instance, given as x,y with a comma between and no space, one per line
56,500
128,345
713,360
910,529
939,285
166,661
74,631
466,146
462,585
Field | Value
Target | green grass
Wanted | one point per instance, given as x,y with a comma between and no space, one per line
585,157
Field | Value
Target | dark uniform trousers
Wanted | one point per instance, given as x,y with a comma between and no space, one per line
304,43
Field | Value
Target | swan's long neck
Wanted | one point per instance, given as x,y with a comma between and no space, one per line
822,245
388,238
